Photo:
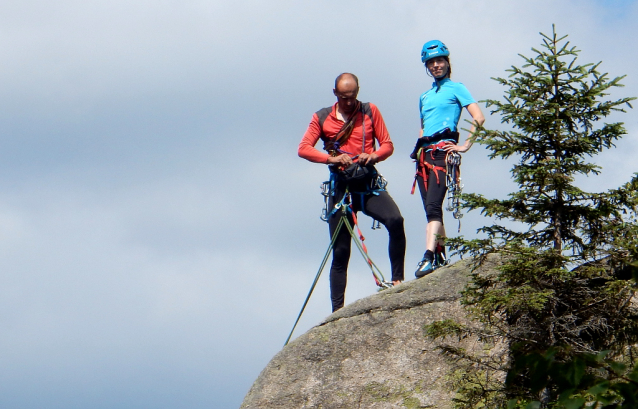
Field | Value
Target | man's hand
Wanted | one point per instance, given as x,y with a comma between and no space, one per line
341,160
368,158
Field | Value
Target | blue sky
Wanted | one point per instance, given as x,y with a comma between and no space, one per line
158,232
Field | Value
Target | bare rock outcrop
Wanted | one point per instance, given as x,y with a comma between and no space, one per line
371,354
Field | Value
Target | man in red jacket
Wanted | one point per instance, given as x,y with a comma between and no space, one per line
349,130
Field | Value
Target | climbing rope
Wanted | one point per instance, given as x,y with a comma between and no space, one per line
345,208
454,186
379,279
314,283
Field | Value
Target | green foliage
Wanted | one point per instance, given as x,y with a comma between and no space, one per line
563,290
585,380
444,328
553,105
533,301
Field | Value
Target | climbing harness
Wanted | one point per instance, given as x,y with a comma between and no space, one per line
454,186
377,184
452,172
424,168
430,144
345,206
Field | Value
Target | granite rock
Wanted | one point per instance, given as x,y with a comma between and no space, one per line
372,353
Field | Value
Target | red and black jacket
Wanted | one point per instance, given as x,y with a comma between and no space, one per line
325,125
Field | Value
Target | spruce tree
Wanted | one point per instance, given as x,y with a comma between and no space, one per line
563,290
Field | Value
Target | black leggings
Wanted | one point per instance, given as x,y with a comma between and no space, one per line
435,194
382,208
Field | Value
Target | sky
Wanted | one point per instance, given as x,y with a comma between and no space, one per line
158,232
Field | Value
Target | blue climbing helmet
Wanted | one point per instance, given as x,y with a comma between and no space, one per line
432,49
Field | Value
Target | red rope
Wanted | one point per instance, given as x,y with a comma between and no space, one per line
363,244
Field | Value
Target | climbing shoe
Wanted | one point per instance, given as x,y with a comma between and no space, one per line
424,268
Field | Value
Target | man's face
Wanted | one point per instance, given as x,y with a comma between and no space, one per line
346,93
438,67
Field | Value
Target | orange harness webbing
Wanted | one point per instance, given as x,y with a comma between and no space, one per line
423,168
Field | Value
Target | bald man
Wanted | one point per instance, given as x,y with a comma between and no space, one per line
349,130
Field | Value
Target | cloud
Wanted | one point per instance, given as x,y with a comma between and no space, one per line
158,233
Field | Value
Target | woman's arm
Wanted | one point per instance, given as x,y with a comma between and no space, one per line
477,119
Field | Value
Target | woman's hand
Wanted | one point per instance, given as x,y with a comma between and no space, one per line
477,119
456,148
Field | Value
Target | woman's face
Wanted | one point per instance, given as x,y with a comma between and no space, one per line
438,67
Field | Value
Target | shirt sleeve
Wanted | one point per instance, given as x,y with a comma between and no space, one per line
386,147
421,109
463,95
307,148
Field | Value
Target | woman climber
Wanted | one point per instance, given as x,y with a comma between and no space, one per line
441,108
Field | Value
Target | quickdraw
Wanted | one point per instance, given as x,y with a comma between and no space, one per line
380,183
327,189
454,186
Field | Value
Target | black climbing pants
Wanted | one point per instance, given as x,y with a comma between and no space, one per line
380,207
435,194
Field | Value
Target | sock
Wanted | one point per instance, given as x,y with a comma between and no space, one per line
429,255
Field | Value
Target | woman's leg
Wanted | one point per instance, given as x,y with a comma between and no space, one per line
433,230
433,198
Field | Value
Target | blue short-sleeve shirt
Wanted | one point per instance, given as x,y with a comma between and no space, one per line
441,106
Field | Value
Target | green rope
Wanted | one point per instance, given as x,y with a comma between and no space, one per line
314,283
378,275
